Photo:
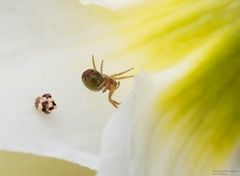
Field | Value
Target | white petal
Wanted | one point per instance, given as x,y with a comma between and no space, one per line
45,47
120,153
133,145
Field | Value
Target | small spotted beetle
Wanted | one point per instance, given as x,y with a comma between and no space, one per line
45,103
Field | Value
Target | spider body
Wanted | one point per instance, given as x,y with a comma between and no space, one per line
97,81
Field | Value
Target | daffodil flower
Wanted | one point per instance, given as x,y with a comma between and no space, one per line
185,119
179,116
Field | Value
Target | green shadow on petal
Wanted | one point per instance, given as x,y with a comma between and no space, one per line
15,164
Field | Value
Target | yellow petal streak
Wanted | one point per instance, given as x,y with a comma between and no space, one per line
166,32
201,113
195,128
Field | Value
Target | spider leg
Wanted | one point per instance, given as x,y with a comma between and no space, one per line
118,84
101,68
104,86
93,62
104,90
117,74
101,85
113,102
123,77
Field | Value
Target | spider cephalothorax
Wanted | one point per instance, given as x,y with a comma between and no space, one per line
96,81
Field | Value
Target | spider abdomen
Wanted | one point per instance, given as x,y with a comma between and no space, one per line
92,79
